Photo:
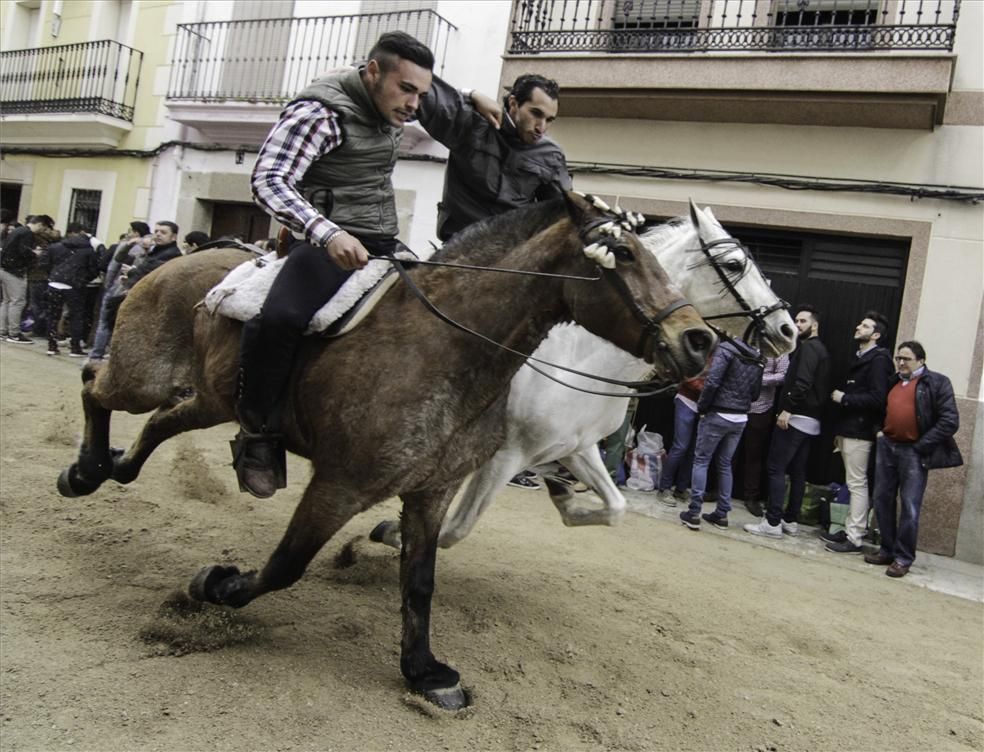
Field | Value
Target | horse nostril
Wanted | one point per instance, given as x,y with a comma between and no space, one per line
698,342
787,331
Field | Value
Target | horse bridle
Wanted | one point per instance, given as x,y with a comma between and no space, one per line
757,315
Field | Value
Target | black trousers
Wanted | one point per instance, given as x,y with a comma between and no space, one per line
55,301
308,280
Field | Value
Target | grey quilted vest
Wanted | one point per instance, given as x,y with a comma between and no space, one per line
352,185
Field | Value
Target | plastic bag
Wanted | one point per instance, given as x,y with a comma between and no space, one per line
645,461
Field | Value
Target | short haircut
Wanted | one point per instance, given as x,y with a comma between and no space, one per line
74,228
399,44
523,87
173,227
917,349
881,323
141,228
197,237
810,310
41,219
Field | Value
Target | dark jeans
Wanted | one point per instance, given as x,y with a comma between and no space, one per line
757,434
788,454
75,300
680,458
715,436
898,471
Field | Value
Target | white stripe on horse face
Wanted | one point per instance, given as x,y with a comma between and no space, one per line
600,255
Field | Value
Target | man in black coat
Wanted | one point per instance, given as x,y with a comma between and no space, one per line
862,407
804,393
164,249
70,264
921,419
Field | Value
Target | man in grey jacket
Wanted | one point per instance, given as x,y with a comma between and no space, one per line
733,382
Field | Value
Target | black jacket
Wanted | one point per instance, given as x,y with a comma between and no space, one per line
17,256
72,261
862,408
155,257
806,389
938,420
733,381
489,171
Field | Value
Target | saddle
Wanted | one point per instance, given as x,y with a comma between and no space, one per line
241,293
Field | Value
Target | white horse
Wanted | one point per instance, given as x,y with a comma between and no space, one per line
548,422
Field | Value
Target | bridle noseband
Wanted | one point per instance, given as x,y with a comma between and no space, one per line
757,315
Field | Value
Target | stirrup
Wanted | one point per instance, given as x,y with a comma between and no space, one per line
273,470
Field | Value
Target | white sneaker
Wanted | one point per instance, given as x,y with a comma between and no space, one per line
790,528
762,527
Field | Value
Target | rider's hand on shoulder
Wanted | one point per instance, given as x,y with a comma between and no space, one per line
488,108
347,251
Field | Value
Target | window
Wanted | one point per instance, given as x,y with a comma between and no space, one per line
656,14
826,12
84,208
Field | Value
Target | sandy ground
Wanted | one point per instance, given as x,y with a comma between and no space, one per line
643,637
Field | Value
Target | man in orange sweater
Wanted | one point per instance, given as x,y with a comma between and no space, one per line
920,420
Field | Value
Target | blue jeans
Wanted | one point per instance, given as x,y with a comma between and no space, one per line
789,451
714,434
898,471
676,470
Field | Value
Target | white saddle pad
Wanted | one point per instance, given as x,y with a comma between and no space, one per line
241,293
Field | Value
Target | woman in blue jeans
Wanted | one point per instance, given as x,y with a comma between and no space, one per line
679,460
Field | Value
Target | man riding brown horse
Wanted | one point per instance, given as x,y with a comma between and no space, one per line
331,153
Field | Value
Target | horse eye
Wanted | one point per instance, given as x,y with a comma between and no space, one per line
734,265
623,254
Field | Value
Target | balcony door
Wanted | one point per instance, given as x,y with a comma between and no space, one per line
255,50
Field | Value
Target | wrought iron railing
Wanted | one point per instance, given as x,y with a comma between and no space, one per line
95,77
635,26
270,60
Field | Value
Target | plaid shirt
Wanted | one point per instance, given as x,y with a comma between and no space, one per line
306,131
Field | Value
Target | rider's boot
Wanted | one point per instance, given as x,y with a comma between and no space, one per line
258,453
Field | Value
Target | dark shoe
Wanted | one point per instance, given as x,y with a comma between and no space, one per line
839,537
897,570
718,520
880,559
53,350
78,353
690,520
754,508
20,339
260,463
524,481
843,547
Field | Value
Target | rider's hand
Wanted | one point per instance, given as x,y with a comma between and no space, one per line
347,251
488,108
783,420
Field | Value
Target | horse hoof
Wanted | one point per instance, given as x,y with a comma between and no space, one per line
447,698
386,532
70,485
203,585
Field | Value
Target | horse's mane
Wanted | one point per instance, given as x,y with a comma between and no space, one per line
666,233
488,239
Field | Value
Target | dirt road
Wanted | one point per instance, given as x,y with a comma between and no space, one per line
643,637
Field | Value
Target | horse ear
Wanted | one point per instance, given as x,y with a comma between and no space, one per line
704,222
578,206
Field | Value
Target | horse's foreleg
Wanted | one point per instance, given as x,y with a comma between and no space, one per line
482,488
588,467
421,522
313,524
95,462
178,415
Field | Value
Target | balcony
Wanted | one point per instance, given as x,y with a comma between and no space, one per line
859,63
69,95
230,79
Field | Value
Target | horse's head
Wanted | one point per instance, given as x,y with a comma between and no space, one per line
719,277
636,306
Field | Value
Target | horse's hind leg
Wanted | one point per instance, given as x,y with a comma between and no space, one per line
421,520
95,462
588,467
314,522
178,415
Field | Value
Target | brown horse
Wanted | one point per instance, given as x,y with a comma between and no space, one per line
404,405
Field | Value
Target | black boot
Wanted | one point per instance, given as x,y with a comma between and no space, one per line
258,454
